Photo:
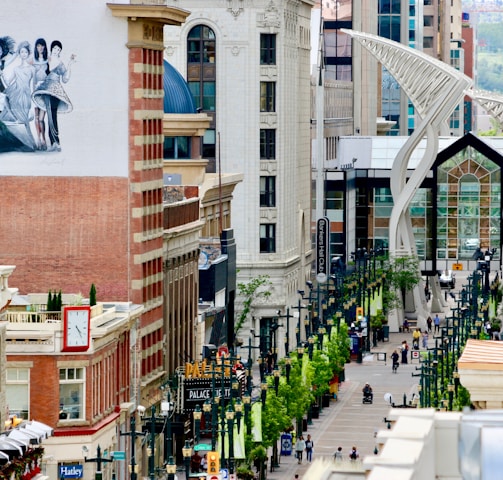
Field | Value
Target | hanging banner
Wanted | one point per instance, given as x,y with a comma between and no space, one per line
322,249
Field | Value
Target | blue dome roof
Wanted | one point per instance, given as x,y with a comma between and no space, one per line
177,96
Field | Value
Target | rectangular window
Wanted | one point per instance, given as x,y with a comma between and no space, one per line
195,89
267,96
267,49
209,96
268,143
428,42
71,393
267,238
428,20
267,191
17,392
209,144
176,147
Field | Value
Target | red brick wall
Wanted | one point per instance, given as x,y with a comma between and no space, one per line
66,233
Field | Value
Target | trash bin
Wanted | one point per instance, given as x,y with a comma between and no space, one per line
325,400
304,424
315,411
385,333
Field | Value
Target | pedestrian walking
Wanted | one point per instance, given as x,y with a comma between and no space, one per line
395,359
425,339
416,335
436,322
309,448
338,455
405,351
429,322
353,454
300,446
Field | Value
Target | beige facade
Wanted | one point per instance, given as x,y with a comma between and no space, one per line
239,74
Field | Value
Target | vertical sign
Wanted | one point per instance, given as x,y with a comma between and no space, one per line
322,249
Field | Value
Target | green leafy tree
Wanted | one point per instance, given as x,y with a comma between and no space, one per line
341,348
257,287
322,372
297,392
49,302
402,276
92,295
59,301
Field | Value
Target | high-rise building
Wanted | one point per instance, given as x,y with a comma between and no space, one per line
247,65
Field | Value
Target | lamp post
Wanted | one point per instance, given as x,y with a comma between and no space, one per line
151,448
171,468
287,338
98,460
187,454
219,415
133,434
299,308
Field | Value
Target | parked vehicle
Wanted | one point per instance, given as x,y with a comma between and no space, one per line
447,279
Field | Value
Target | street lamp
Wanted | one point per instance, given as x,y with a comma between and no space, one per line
197,415
187,454
133,433
98,460
229,416
171,468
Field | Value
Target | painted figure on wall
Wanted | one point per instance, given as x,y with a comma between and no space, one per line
41,64
18,89
50,95
31,91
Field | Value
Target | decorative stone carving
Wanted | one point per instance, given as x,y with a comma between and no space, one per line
235,7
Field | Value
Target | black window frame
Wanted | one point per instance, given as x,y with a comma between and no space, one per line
268,242
267,49
267,143
268,97
267,191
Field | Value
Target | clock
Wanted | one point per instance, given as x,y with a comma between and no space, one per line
76,329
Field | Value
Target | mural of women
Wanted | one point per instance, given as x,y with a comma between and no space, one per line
17,105
41,64
50,95
7,54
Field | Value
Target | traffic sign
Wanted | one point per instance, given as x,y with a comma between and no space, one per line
213,477
119,455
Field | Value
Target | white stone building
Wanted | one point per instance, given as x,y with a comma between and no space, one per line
247,65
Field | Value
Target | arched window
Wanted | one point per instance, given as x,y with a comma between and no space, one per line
201,78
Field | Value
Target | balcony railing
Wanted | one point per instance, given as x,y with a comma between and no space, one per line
32,317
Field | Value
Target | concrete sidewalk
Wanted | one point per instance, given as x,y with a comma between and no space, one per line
347,421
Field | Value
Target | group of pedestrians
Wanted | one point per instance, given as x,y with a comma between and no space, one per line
417,337
301,445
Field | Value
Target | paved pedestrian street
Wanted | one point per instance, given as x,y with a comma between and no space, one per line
348,422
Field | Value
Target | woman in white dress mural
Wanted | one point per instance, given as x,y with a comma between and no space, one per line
50,95
19,87
41,65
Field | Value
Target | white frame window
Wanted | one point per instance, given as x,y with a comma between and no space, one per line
17,391
72,381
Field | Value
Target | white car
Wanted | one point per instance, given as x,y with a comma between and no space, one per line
447,279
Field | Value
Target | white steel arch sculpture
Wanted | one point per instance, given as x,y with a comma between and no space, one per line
491,102
435,89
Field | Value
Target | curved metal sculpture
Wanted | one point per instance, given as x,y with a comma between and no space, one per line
435,89
491,102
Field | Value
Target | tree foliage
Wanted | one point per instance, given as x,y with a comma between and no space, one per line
275,418
257,287
402,275
322,372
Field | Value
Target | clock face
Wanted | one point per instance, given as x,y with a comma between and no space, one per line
76,329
